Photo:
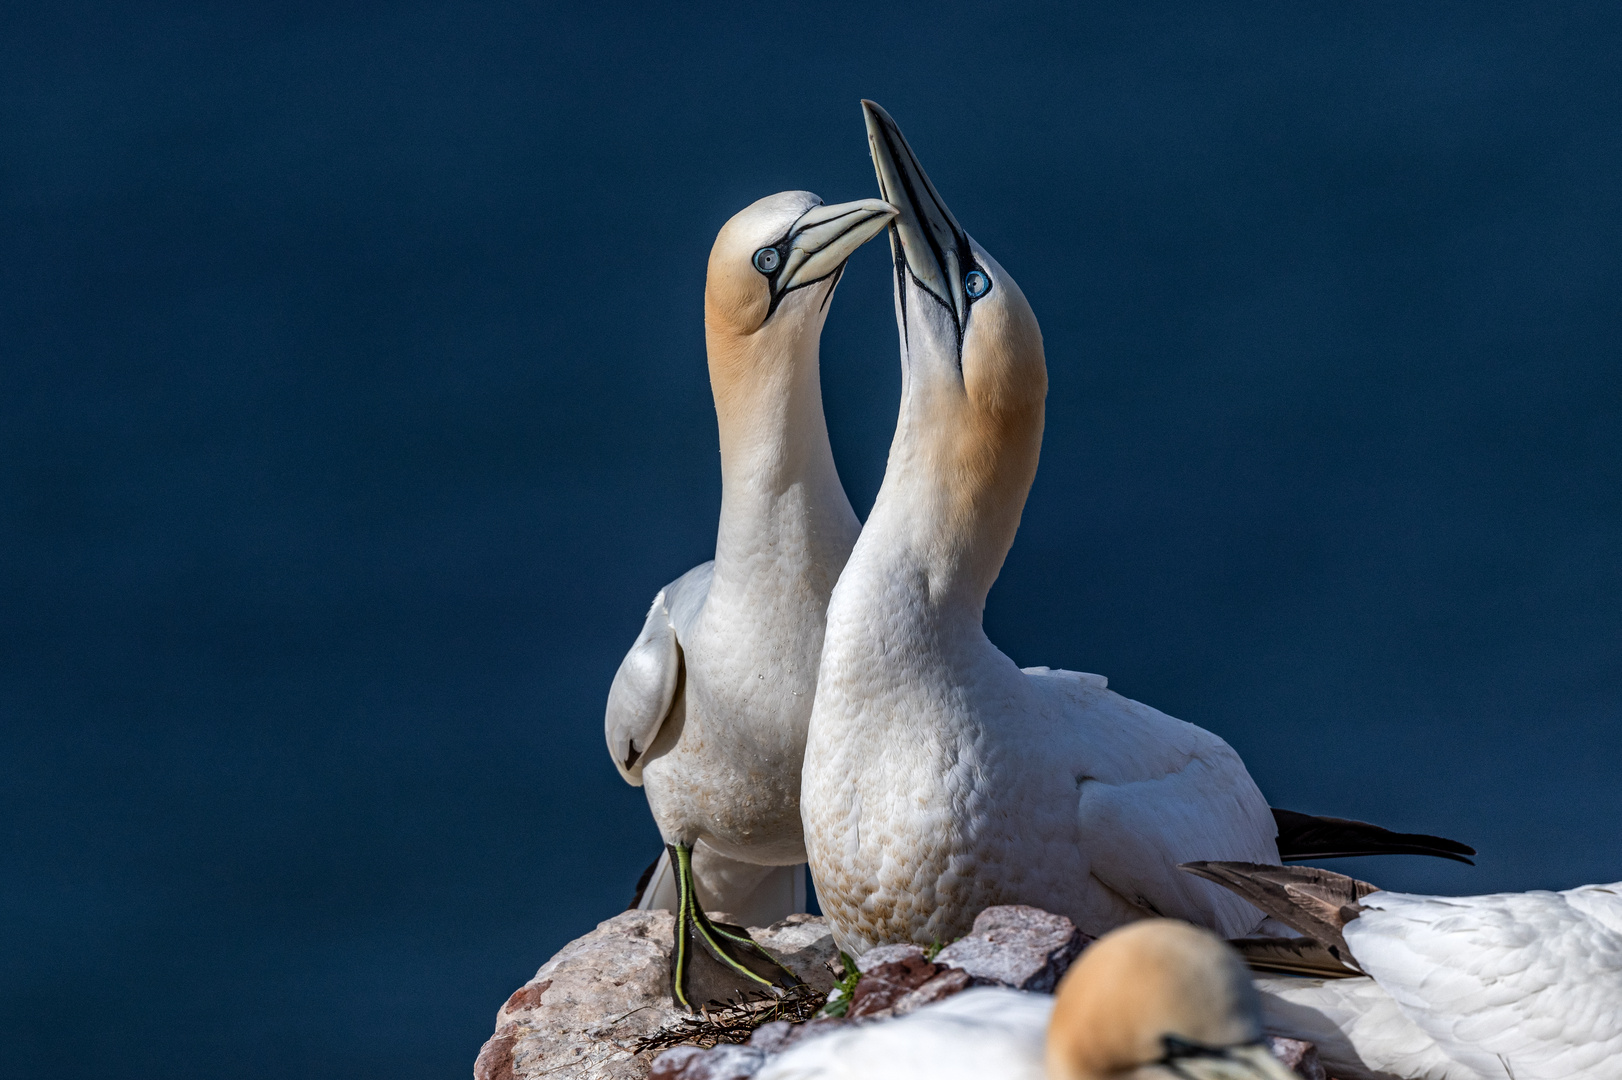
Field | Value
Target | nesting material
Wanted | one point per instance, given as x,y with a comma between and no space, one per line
734,1022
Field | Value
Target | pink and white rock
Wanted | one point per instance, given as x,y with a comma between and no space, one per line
586,1009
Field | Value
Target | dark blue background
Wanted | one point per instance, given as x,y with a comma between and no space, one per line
354,405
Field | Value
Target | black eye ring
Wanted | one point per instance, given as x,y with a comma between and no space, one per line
767,259
976,284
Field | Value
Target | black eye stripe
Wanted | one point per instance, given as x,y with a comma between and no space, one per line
776,255
1178,1050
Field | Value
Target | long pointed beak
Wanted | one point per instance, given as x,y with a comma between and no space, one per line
825,236
927,239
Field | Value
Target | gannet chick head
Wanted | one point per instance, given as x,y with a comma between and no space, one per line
772,271
1159,999
974,378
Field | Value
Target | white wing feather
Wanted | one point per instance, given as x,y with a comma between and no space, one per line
1180,816
1153,783
644,687
1360,1032
1518,986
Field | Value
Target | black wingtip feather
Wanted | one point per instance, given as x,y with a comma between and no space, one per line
1308,836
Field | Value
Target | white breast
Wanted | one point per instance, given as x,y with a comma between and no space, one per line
943,780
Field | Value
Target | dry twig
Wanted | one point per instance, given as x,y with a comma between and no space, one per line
734,1021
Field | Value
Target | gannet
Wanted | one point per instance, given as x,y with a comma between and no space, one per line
1157,999
1506,986
708,710
940,778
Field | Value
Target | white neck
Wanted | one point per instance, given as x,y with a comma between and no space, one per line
961,464
949,507
782,504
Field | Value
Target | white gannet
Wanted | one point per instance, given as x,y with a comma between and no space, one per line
940,779
708,710
1157,999
1506,986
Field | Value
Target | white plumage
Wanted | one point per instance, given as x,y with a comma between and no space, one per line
1507,986
709,708
940,778
976,1035
1358,1030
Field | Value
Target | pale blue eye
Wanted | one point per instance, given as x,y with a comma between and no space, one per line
766,260
975,284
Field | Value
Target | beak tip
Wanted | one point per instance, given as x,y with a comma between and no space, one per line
875,116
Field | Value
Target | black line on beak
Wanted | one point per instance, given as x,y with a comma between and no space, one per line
907,178
839,273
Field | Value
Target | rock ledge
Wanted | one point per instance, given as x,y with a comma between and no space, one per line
586,1011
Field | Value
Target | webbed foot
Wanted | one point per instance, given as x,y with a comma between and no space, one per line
715,961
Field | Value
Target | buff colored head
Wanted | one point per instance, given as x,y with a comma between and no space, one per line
772,272
974,376
1157,1000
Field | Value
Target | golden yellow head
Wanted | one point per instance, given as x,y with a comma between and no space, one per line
974,376
772,271
1159,999
963,320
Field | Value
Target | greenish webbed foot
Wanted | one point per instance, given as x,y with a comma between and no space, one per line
715,961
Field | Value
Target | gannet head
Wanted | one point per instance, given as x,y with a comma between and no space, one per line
772,272
973,372
1159,999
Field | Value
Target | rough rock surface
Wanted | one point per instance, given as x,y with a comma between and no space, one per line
724,1062
886,954
779,1035
1023,947
586,1008
950,981
898,987
737,1062
805,947
1298,1055
882,985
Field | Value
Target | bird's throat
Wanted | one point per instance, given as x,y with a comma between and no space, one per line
781,499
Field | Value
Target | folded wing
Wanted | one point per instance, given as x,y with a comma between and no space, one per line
1514,985
1154,784
645,686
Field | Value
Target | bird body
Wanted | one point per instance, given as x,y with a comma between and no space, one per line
755,893
1358,1029
973,783
708,710
1504,986
725,766
1519,986
939,777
